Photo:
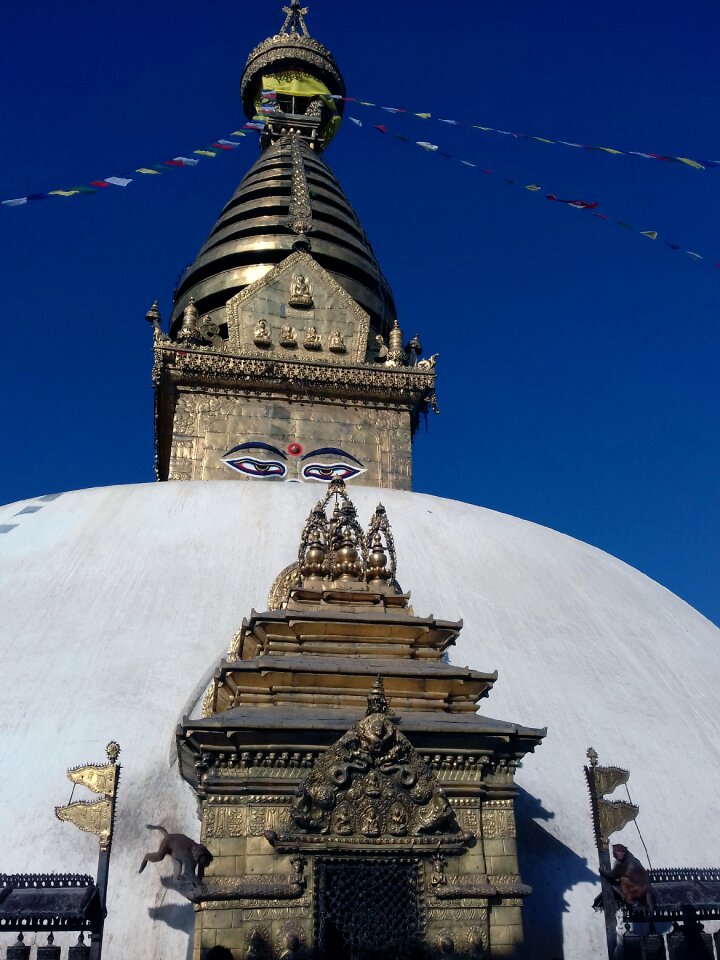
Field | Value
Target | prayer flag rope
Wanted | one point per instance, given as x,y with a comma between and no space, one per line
93,186
535,188
685,161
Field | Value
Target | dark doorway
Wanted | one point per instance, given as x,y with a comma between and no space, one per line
368,909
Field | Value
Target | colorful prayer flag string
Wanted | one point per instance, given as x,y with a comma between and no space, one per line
577,204
92,186
685,161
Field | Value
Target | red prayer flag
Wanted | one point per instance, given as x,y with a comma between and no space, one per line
99,183
173,163
220,146
381,127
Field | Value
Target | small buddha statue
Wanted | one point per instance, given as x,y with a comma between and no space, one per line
261,336
398,821
312,339
288,337
341,821
337,342
371,824
301,292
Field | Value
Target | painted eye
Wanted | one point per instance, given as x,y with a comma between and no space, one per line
330,471
257,468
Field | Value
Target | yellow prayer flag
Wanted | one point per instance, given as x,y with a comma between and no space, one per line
423,116
543,140
147,170
610,150
205,153
478,127
63,193
238,133
691,163
649,233
366,103
533,186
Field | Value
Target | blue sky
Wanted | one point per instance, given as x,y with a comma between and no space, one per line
578,361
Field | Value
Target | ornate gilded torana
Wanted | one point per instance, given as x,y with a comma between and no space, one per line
353,800
284,359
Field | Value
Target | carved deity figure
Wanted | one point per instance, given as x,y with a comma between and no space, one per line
301,291
337,342
370,823
288,337
341,821
312,339
397,821
314,108
261,336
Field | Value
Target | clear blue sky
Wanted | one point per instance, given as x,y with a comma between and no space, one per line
578,362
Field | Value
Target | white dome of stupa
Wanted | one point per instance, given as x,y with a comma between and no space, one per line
118,604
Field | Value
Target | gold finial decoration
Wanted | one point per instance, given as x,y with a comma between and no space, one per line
377,701
396,356
95,816
312,556
379,530
189,331
294,18
349,550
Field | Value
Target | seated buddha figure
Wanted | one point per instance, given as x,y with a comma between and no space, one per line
301,292
312,339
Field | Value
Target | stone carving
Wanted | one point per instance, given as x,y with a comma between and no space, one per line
288,337
498,823
190,858
257,948
371,784
261,335
312,339
224,822
337,342
301,291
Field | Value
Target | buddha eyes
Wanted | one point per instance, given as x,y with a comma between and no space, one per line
331,471
258,468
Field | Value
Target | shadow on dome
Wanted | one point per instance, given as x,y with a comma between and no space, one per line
551,868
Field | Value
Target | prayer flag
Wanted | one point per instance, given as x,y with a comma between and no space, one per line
673,246
690,163
119,181
649,233
37,196
533,187
475,126
543,140
206,153
99,183
238,133
427,146
453,123
187,161
423,116
380,126
468,164
268,94
220,146
17,202
609,150
173,163
601,216
253,125
567,144
392,110
145,170
578,204
355,121
63,193
691,253
366,103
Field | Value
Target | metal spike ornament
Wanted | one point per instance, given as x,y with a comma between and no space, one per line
294,18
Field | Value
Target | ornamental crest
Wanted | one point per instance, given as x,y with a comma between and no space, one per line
372,786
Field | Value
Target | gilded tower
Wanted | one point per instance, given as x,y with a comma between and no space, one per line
284,359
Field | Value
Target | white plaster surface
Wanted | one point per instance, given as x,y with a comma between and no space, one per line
117,603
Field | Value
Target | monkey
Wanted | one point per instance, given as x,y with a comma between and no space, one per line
187,854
